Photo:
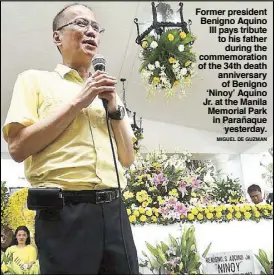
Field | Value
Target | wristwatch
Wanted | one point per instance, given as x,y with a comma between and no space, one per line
119,114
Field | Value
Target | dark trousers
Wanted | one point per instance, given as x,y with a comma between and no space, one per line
85,238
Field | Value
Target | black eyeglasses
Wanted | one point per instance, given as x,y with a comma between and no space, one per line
84,24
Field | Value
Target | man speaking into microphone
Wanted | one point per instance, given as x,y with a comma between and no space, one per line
57,125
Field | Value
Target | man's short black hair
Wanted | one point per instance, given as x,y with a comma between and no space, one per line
253,188
60,15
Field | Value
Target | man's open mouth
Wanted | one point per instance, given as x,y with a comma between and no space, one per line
90,42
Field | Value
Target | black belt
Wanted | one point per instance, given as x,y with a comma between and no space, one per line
90,196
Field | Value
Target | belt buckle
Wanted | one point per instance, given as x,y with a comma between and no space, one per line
102,197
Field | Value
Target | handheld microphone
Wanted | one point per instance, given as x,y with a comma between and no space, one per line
99,64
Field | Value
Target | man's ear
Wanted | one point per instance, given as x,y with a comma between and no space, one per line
57,38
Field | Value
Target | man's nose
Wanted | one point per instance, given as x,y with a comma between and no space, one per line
91,32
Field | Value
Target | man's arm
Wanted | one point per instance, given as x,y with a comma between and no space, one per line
123,137
26,141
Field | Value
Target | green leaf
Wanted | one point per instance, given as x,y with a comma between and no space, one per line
152,249
181,266
206,251
173,241
164,247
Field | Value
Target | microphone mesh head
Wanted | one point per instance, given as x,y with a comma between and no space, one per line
99,63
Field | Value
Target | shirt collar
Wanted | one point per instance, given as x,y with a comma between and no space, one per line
63,70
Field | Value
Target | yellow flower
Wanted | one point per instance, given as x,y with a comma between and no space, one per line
156,80
194,211
219,208
4,268
190,217
247,215
219,215
229,216
128,211
176,84
187,63
170,37
16,212
206,211
160,200
183,216
136,213
247,207
209,216
193,195
153,219
141,196
242,209
149,212
149,200
142,210
183,35
200,209
132,218
257,214
145,204
200,216
144,44
155,211
173,193
128,195
236,208
211,208
266,213
143,218
230,209
171,60
238,215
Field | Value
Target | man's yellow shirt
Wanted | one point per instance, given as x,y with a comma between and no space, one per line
81,157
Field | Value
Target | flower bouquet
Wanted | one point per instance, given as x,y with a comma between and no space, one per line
167,62
160,188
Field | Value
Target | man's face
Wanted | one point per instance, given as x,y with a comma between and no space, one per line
256,196
80,39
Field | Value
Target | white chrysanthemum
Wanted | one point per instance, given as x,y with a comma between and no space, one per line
184,71
162,73
154,45
157,64
146,74
181,48
141,56
151,67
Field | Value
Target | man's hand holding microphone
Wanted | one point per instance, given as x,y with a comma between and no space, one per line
98,84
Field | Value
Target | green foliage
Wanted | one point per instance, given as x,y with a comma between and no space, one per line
264,261
227,190
179,257
4,201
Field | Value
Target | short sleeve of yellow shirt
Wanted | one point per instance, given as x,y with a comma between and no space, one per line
27,254
80,158
24,104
